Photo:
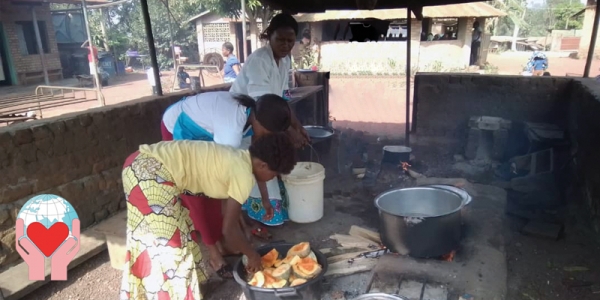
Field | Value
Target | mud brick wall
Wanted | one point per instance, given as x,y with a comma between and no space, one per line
444,103
78,156
584,131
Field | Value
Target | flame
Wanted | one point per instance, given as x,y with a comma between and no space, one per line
449,256
405,166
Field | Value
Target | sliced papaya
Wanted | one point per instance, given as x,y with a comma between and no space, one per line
298,273
292,277
301,249
269,281
278,263
268,271
297,282
269,259
307,268
258,280
282,272
291,260
279,284
313,256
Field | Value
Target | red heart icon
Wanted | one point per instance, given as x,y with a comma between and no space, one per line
47,239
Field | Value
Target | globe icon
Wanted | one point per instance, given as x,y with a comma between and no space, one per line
48,210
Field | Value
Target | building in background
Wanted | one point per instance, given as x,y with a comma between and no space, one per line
450,27
19,51
213,30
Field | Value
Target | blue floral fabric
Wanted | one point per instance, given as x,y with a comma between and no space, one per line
256,210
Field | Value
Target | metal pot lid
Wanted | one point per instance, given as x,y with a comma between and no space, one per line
463,194
318,132
379,296
397,149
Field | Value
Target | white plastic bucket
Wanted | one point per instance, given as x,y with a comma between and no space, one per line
304,187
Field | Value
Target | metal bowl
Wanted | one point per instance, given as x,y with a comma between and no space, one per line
318,132
379,296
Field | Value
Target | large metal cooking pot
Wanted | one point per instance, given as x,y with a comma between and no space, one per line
379,296
421,222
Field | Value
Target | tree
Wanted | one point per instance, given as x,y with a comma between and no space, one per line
516,11
125,27
563,13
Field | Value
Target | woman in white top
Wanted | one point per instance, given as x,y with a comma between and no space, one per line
266,71
231,120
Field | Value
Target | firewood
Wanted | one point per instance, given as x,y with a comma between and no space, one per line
350,241
344,257
359,232
343,268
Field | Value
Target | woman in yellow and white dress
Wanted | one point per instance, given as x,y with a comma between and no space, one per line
162,258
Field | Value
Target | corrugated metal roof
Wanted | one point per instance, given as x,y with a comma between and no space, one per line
474,9
194,18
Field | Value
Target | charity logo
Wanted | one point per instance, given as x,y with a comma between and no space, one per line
47,227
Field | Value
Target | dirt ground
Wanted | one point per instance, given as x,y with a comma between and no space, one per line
512,64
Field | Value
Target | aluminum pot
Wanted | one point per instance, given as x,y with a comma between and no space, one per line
379,296
422,222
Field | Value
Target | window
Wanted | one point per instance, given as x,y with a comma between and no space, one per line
216,32
439,29
397,31
27,39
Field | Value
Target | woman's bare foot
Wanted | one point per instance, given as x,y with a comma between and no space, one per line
219,264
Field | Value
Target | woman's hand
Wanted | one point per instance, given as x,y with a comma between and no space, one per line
269,212
305,136
266,203
254,263
233,234
299,137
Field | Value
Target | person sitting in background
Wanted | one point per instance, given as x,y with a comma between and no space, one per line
232,64
182,78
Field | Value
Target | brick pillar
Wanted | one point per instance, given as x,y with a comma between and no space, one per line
465,31
200,36
415,42
586,34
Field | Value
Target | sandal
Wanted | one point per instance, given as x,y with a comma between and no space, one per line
225,272
262,233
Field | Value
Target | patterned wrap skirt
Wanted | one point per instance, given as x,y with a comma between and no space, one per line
279,200
163,260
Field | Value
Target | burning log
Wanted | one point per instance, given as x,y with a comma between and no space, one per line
449,257
406,168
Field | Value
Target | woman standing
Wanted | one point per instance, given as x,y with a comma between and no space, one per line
162,259
230,120
266,71
232,65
